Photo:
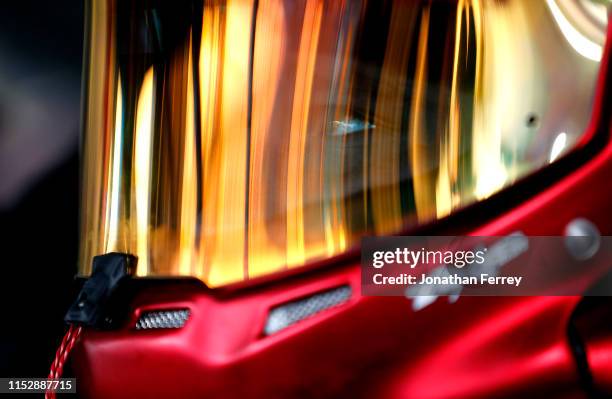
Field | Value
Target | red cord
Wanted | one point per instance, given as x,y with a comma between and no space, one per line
57,367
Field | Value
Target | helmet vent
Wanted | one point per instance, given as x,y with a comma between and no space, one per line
162,319
290,313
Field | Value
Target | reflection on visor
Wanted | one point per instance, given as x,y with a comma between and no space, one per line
232,139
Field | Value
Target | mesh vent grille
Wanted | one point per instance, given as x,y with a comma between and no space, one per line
290,313
161,319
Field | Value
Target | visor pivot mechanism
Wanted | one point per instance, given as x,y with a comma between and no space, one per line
93,305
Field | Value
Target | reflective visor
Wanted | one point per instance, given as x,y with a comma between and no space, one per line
228,140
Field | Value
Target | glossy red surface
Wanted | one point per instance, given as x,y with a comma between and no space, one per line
600,359
370,346
477,347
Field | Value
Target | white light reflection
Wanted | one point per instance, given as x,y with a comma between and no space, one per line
558,146
113,226
577,40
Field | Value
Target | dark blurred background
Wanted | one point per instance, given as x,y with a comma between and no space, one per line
40,76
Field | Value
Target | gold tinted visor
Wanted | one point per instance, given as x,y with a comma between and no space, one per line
228,140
